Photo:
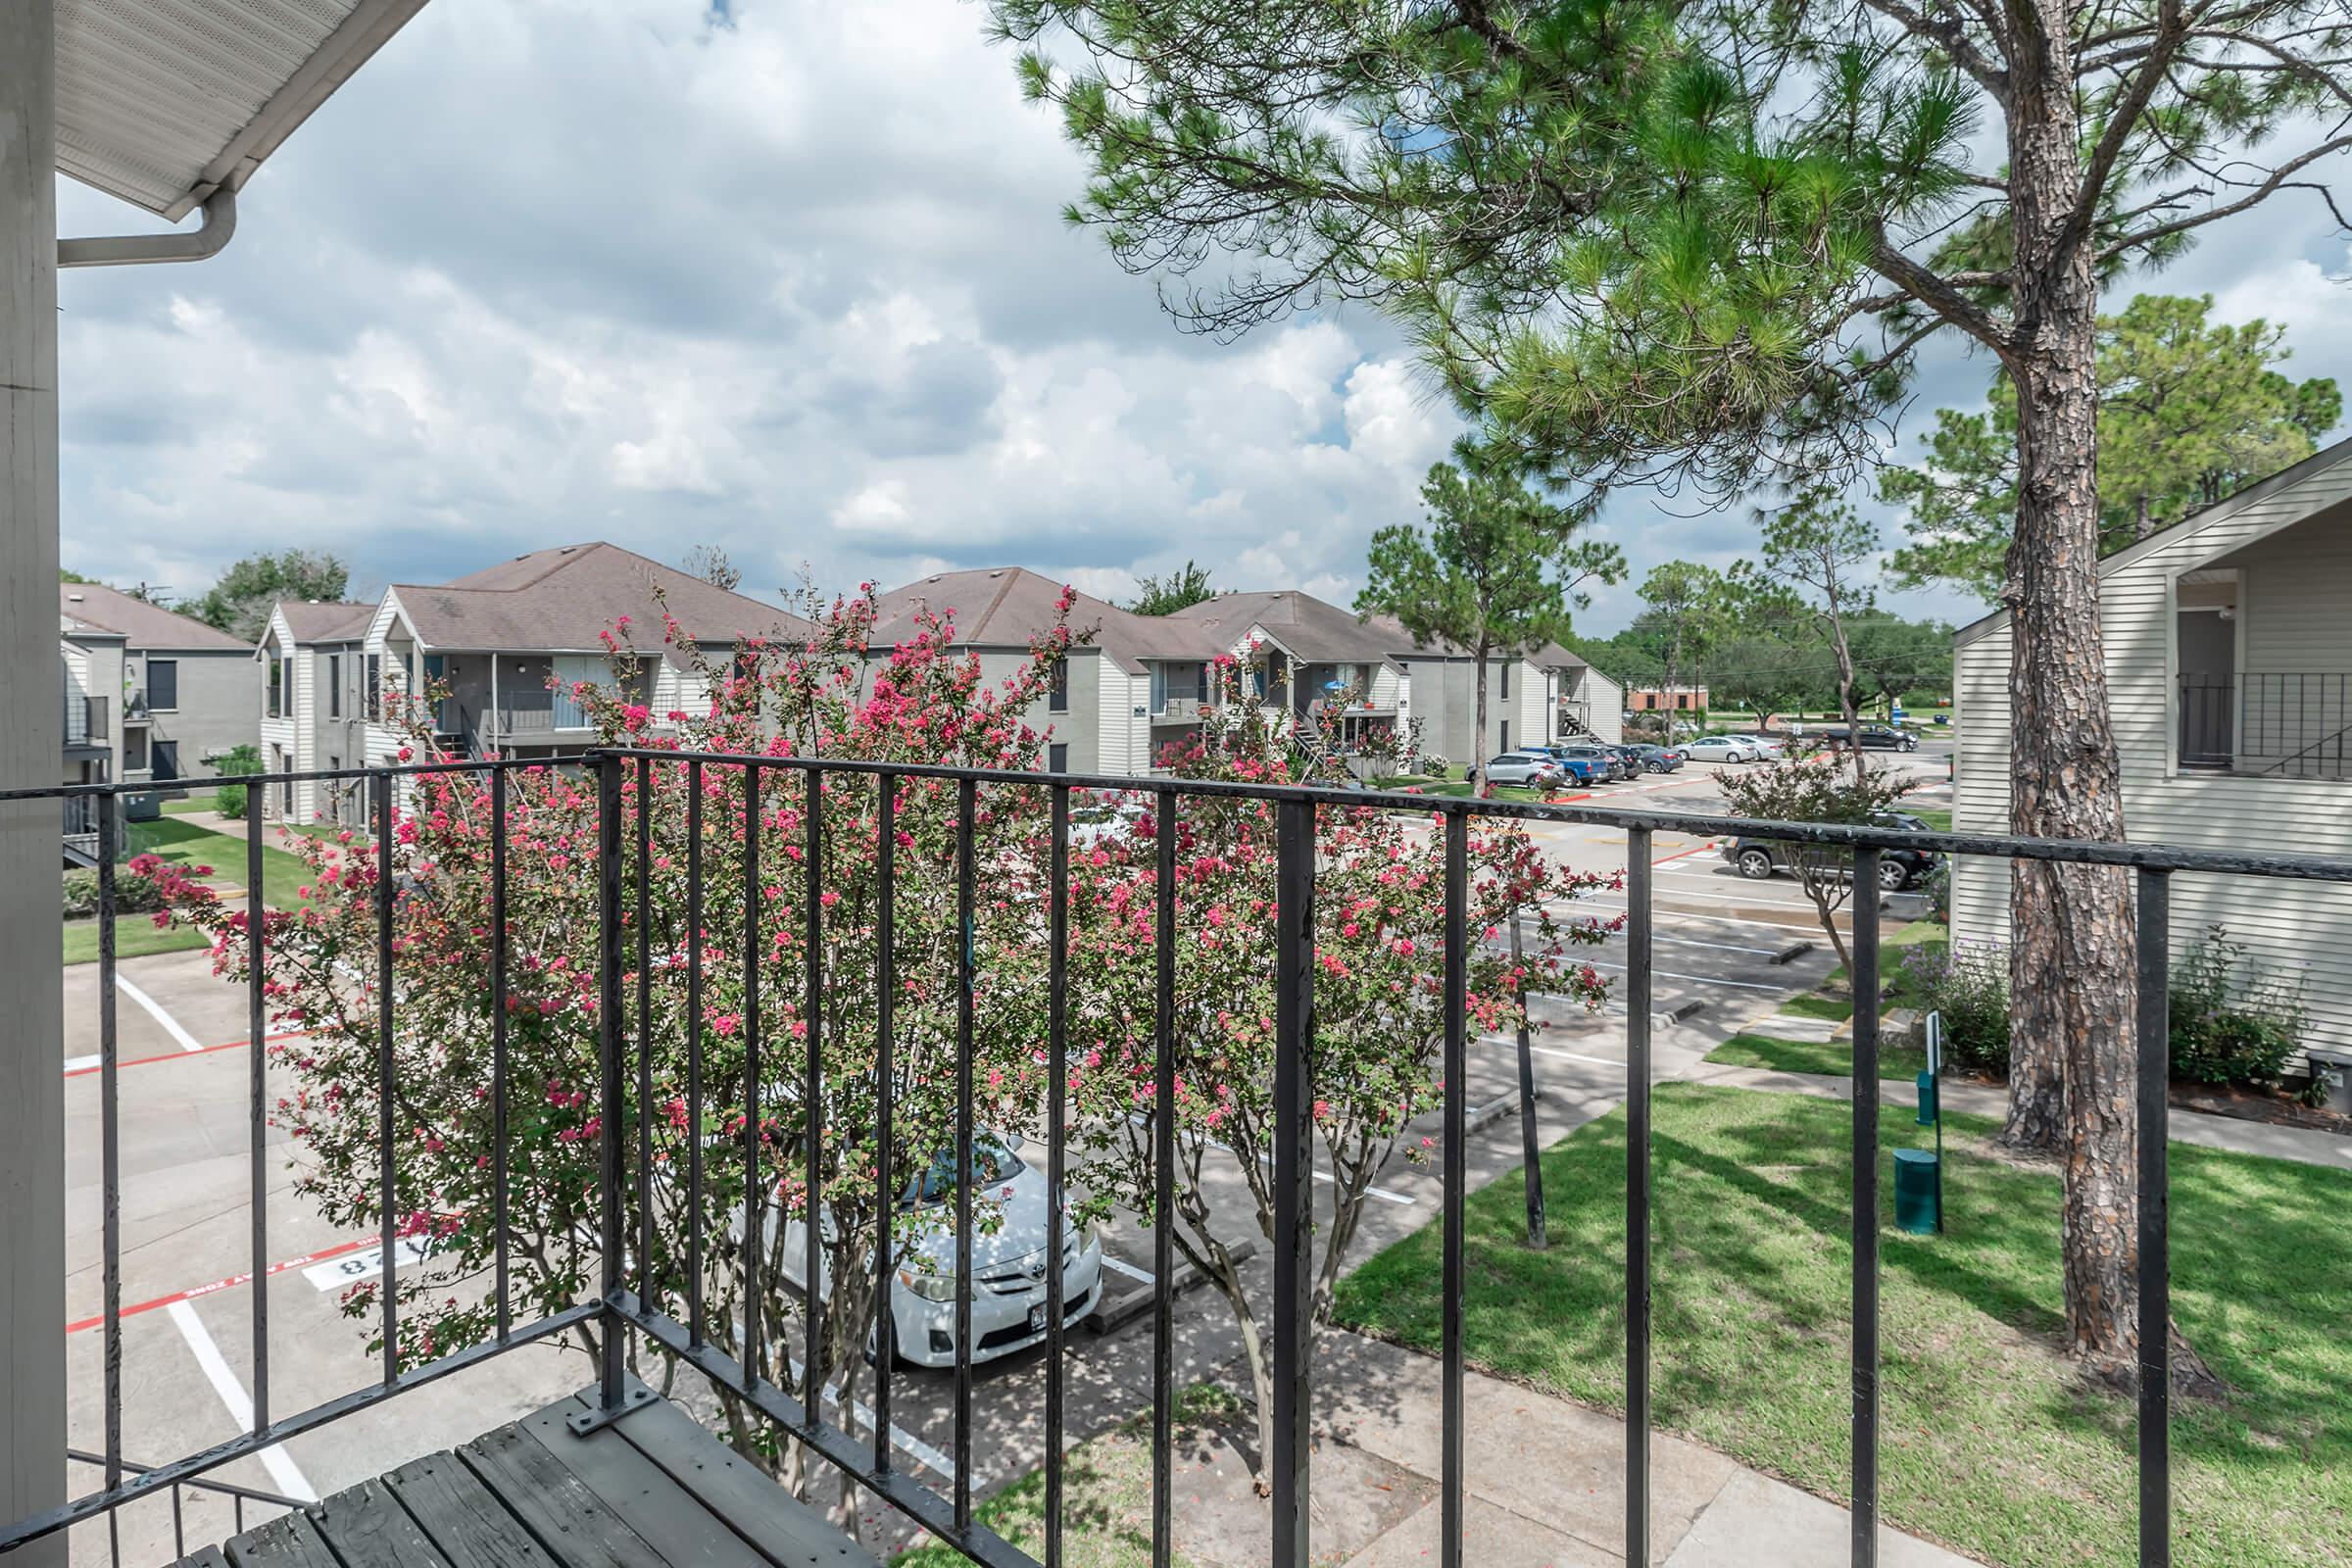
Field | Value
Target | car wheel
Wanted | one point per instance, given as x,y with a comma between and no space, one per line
1755,864
1894,875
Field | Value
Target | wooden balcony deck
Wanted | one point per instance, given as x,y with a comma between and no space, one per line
650,1489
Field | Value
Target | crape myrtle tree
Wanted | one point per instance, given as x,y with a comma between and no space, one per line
1379,1001
1814,789
919,703
1496,571
1701,240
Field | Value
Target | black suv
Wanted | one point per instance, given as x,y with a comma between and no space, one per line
1758,859
1875,738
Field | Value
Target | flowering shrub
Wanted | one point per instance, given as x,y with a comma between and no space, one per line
2232,1021
798,950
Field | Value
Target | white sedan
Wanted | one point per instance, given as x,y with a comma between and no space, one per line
1722,748
1008,1263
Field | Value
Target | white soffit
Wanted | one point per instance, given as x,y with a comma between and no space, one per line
163,102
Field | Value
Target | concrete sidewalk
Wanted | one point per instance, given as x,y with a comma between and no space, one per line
2306,1146
1546,1480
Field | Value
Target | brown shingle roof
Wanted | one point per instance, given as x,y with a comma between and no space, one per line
139,623
565,598
1309,627
325,620
1005,607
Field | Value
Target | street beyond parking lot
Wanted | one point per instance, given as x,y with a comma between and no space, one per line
1723,955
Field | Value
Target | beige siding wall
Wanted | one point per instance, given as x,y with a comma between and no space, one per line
2300,577
2294,620
1605,699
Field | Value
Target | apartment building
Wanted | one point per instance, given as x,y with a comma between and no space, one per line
505,649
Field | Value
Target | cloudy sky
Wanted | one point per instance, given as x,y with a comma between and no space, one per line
793,284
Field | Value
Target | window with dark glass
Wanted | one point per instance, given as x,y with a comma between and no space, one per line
375,705
335,686
1057,687
163,683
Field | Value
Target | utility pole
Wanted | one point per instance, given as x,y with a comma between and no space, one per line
32,1197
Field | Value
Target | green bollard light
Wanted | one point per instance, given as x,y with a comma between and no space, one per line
1926,1098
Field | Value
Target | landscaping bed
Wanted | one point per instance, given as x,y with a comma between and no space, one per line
1993,1441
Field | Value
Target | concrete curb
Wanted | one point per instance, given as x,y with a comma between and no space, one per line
1117,1312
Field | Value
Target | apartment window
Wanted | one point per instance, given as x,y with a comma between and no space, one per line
166,759
1058,757
1504,670
334,685
375,703
163,683
1159,688
1057,687
277,688
1507,734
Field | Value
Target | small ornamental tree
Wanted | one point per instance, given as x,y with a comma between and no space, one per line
919,704
1379,1001
1813,789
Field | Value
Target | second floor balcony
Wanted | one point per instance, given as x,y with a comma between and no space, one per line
2265,724
580,1075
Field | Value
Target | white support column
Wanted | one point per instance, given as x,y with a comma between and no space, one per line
33,1281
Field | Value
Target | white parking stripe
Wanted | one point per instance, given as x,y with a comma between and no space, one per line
275,1459
186,1041
1696,979
1119,1265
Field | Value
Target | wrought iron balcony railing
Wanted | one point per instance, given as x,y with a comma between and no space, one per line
632,1297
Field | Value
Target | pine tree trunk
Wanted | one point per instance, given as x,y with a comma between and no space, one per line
2071,989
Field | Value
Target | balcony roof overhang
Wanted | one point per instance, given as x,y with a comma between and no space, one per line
165,103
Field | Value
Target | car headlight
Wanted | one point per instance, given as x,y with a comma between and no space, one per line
930,1286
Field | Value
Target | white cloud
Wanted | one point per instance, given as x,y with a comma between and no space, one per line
792,282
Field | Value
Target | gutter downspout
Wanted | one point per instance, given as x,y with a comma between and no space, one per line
134,250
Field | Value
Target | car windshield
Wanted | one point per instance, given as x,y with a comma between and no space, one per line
993,1162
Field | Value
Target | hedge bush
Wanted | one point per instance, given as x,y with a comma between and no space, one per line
1969,984
134,894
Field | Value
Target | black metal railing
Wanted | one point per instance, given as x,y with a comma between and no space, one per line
629,1300
2293,724
239,1497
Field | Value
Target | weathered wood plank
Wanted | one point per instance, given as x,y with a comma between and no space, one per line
290,1541
465,1520
365,1527
568,1519
786,1530
665,1514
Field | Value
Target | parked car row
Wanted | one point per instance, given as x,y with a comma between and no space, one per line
1580,762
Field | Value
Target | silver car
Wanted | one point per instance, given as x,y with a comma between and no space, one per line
1722,748
1008,1262
1531,768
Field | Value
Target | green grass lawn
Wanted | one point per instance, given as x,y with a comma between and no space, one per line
1830,1057
1940,821
1463,789
1107,1493
210,800
1991,1441
1836,1009
185,844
